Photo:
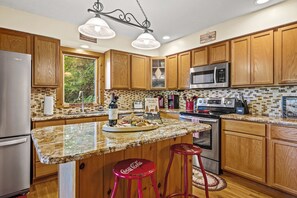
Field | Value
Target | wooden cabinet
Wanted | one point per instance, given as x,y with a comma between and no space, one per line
139,72
219,53
199,57
117,70
158,73
169,115
286,54
45,62
244,149
240,63
80,120
184,65
252,60
44,170
282,158
15,41
262,58
171,72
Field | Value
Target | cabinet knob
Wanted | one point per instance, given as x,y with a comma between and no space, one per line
159,185
82,166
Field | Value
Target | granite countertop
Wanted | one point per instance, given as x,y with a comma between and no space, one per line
61,144
262,119
96,113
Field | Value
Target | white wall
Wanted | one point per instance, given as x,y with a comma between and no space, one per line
276,15
66,32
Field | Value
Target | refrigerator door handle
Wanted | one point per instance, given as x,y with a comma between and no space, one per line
13,142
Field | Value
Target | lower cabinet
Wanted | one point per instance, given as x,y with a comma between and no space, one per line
169,115
282,158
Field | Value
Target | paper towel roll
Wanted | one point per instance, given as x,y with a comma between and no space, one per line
48,105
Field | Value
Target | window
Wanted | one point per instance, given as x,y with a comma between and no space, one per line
79,75
80,70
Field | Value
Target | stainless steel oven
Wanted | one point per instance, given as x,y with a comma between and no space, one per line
210,76
209,141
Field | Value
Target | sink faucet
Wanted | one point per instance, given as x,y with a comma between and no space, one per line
81,97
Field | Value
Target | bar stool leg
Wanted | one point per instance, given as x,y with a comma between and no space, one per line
204,176
115,188
139,189
129,189
167,173
154,183
186,176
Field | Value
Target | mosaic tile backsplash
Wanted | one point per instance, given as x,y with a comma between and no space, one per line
262,100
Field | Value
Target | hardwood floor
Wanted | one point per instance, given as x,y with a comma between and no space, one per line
237,187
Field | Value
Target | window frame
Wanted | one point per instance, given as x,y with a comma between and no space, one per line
99,86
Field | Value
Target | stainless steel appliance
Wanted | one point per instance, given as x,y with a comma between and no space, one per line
15,89
208,112
210,76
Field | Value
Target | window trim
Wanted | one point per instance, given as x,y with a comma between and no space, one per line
99,75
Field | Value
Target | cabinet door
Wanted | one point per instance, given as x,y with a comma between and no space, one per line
46,62
14,41
139,72
80,120
199,57
287,54
244,155
120,70
219,53
262,58
184,65
171,72
240,68
282,165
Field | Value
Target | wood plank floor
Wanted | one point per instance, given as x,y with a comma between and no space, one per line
237,187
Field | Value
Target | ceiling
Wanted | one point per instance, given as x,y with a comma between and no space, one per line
175,18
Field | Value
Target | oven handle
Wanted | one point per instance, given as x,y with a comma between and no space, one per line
201,119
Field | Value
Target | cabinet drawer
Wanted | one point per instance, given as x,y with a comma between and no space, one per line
80,120
101,118
43,170
283,133
244,127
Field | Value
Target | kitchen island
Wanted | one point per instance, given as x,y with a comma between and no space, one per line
86,155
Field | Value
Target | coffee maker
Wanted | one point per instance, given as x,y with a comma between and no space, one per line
173,101
161,101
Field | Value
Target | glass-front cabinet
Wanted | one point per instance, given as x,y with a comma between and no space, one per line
158,73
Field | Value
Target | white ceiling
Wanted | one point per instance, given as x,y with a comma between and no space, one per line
175,18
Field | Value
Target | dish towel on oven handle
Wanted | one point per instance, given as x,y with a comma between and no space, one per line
196,120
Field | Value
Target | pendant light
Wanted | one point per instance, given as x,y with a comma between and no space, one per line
97,28
146,41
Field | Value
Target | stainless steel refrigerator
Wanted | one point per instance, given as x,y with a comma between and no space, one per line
15,89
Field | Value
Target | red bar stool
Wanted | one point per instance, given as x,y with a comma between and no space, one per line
185,150
134,169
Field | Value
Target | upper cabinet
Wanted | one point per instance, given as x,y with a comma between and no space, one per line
117,70
158,73
219,53
200,56
184,65
171,72
15,41
252,60
46,63
286,54
139,72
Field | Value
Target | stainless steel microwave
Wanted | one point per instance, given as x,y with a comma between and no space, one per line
210,76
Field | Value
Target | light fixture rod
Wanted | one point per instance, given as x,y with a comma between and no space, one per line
125,18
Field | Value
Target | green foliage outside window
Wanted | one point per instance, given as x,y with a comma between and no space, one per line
79,75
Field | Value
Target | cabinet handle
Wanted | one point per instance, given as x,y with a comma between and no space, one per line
82,166
159,185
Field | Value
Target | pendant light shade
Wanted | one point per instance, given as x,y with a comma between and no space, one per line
146,41
96,28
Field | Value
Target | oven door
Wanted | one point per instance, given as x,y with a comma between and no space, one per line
207,140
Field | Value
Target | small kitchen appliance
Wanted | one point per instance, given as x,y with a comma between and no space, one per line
173,101
208,111
137,104
161,101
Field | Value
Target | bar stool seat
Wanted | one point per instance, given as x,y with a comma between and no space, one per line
134,169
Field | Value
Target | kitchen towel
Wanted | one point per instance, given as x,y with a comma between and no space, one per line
48,105
195,120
